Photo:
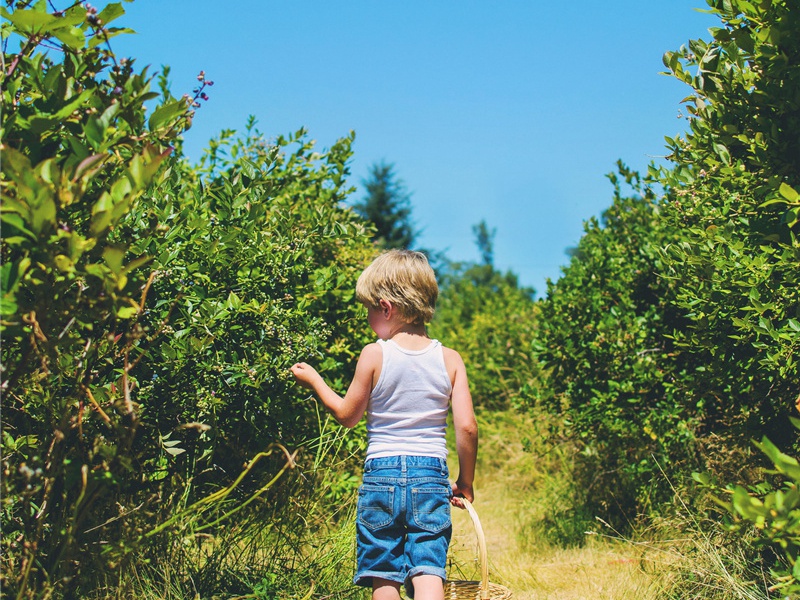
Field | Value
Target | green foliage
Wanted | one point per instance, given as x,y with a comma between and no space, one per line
772,509
612,369
254,268
387,205
673,334
151,309
732,193
77,156
491,321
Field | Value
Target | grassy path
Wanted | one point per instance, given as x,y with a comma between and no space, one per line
511,493
599,570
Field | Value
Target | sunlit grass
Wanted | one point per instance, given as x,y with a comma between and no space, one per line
522,480
293,541
539,543
525,498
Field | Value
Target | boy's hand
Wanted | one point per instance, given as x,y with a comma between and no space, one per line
459,490
305,374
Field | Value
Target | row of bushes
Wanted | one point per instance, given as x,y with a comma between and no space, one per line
150,311
671,341
151,308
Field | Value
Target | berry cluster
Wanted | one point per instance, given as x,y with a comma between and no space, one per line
91,15
199,91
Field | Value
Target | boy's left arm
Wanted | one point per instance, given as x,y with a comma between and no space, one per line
466,428
349,409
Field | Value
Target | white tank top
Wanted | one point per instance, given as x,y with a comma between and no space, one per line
407,410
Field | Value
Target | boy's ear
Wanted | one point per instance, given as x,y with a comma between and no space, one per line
386,307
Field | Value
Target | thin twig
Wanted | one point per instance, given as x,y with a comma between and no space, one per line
126,388
96,405
112,519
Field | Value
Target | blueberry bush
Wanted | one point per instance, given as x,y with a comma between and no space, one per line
150,307
671,340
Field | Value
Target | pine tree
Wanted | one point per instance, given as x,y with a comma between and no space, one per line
484,239
387,205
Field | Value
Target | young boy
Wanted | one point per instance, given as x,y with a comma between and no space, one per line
405,382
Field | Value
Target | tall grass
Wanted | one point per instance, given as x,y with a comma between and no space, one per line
690,555
292,538
530,507
544,545
297,541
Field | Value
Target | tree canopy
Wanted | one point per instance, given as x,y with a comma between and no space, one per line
387,205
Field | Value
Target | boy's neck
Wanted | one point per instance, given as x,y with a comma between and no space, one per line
410,336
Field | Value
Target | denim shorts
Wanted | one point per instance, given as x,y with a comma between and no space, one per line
403,525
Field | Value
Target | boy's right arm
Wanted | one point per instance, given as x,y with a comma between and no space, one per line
349,409
466,428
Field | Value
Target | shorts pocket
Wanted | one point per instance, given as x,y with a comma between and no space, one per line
431,507
375,505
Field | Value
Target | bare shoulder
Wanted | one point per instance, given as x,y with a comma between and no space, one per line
451,357
370,363
371,353
453,363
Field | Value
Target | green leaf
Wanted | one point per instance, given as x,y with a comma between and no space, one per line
783,462
166,114
72,37
722,152
8,306
74,104
772,201
143,167
44,214
94,132
12,274
96,270
233,302
29,21
248,168
64,263
18,223
747,506
791,216
113,255
110,33
126,312
111,12
101,213
789,192
136,263
89,166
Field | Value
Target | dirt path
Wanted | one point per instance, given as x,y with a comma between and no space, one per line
598,571
602,569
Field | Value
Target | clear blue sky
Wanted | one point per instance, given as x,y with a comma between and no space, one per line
510,111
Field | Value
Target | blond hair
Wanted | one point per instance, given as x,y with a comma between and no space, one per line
404,278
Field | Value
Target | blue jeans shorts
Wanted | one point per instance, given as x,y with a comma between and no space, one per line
403,525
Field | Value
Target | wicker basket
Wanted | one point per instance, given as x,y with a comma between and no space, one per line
476,590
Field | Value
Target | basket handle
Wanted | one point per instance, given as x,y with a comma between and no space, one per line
481,548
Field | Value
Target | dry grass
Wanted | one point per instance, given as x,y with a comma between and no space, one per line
520,482
518,479
536,570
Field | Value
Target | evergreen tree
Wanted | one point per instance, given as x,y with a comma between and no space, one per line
484,239
387,205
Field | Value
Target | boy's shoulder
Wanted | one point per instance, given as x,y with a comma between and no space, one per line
450,351
371,349
451,357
